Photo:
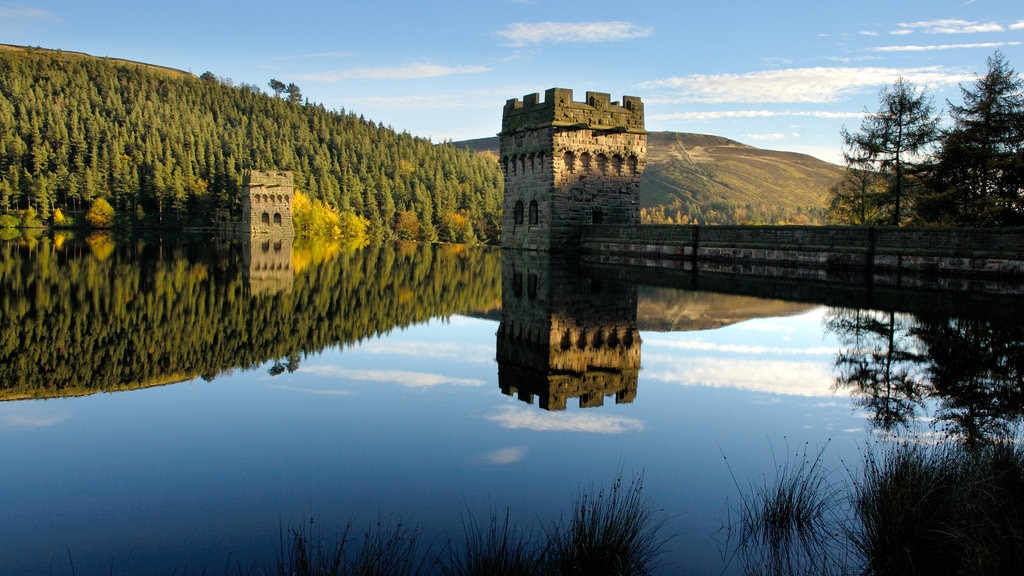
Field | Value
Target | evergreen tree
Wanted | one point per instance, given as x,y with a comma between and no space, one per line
979,177
894,141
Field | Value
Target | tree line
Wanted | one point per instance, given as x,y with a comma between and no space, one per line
169,149
904,167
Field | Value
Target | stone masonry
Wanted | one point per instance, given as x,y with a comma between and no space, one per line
568,164
267,203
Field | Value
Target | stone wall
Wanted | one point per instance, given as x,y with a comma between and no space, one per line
567,164
815,249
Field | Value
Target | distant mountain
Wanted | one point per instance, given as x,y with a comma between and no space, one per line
714,180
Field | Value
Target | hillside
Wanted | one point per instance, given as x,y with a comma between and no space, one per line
168,149
698,178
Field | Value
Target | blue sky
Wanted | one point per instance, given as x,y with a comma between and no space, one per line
780,75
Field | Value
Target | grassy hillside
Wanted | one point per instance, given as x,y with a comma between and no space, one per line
698,178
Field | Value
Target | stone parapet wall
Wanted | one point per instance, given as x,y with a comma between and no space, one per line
941,251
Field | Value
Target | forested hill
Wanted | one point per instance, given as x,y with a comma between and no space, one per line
699,178
165,147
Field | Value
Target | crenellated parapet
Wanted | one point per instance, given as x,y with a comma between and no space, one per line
559,110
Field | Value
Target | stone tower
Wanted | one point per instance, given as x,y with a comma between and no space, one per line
568,164
267,203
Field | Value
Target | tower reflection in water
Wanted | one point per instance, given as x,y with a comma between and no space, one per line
565,335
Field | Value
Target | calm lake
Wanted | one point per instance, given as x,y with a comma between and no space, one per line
171,406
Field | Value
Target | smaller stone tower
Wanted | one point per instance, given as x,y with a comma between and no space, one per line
568,164
267,203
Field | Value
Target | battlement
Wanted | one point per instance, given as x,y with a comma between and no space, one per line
559,110
268,179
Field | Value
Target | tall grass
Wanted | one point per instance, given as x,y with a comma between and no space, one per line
912,508
386,549
790,523
612,531
500,548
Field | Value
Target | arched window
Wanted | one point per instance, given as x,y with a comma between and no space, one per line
265,218
533,212
517,213
631,163
531,286
602,164
570,161
585,162
617,165
277,218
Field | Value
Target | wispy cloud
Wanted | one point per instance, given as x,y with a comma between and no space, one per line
764,376
314,391
18,19
506,455
514,417
317,56
803,85
724,114
411,71
401,377
1018,25
947,26
745,349
519,34
477,353
938,47
28,419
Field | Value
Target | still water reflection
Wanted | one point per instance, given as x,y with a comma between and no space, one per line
267,384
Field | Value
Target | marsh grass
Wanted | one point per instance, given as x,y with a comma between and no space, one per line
943,509
791,522
500,548
386,549
912,508
610,531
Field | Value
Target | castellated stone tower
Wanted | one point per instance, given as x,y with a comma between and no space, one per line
267,203
568,164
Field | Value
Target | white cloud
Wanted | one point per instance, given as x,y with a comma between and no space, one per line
948,26
514,417
519,34
477,353
745,349
802,85
937,47
412,71
23,15
317,55
28,419
779,377
401,377
1018,25
724,114
506,455
315,391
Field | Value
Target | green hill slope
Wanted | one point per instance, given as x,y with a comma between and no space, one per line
168,149
713,180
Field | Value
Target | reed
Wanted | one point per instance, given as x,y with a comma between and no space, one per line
791,523
500,548
613,531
